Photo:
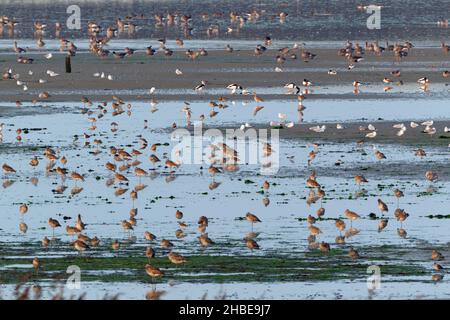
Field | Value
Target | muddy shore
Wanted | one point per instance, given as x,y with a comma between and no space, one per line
133,76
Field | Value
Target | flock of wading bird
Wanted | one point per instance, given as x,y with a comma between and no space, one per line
126,162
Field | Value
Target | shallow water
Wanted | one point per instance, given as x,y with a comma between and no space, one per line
280,232
317,20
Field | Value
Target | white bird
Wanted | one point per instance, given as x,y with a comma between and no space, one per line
446,129
110,77
25,88
278,69
152,89
274,124
372,134
318,128
102,75
399,126
413,124
52,73
401,131
200,86
49,55
339,126
234,87
178,72
332,72
30,73
97,74
19,83
371,127
430,130
282,116
427,123
423,80
290,85
42,81
290,124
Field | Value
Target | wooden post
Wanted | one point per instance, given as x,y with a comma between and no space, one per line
68,65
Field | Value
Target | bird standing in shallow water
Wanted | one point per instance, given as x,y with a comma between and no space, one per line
398,194
252,218
351,215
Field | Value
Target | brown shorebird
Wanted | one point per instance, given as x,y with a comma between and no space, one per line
53,223
205,241
400,215
153,272
149,253
340,240
398,194
166,243
314,230
436,255
352,253
23,208
36,264
359,179
351,215
320,212
252,218
115,245
176,258
310,219
80,246
45,242
340,225
382,206
8,169
437,267
126,225
149,236
324,246
382,224
431,176
251,244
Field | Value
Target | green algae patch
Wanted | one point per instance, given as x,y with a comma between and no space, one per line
128,266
